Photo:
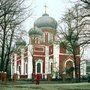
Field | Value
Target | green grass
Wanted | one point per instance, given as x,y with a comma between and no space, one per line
72,86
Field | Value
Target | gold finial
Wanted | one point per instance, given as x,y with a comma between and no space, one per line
45,7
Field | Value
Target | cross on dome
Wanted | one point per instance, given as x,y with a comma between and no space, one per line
45,8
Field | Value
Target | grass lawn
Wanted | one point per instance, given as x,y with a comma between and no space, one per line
72,86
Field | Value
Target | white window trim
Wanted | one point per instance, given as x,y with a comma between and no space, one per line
41,62
72,63
67,61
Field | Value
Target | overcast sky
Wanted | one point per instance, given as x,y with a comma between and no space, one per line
55,9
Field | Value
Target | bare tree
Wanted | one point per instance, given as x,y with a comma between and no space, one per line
86,1
74,34
12,14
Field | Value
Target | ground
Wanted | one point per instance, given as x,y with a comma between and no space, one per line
72,86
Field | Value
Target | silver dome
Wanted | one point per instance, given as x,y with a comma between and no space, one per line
46,21
35,31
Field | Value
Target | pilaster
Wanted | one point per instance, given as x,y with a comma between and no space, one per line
46,60
30,65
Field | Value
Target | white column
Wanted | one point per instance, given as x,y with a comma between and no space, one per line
30,65
46,60
12,67
56,50
22,64
15,63
83,67
84,57
26,67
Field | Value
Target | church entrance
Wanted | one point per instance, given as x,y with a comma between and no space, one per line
69,69
39,68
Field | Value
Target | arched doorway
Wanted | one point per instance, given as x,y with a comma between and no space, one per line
39,68
69,69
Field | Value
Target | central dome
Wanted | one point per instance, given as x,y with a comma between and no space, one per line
46,21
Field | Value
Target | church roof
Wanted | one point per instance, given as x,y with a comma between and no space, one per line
35,31
20,42
46,21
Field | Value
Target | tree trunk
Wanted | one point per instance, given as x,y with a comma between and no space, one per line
3,50
9,51
76,68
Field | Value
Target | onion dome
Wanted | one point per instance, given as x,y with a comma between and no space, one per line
35,31
46,21
20,42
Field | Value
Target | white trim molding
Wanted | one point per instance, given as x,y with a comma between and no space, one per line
41,62
72,63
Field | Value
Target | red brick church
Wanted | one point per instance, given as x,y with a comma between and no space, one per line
43,55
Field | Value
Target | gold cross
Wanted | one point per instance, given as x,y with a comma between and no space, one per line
45,7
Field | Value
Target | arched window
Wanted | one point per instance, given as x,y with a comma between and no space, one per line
38,67
69,68
69,64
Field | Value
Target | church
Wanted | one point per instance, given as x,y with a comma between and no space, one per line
43,55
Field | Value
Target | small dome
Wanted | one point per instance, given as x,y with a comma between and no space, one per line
20,42
35,31
46,21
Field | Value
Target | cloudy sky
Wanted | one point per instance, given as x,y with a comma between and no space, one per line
55,9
